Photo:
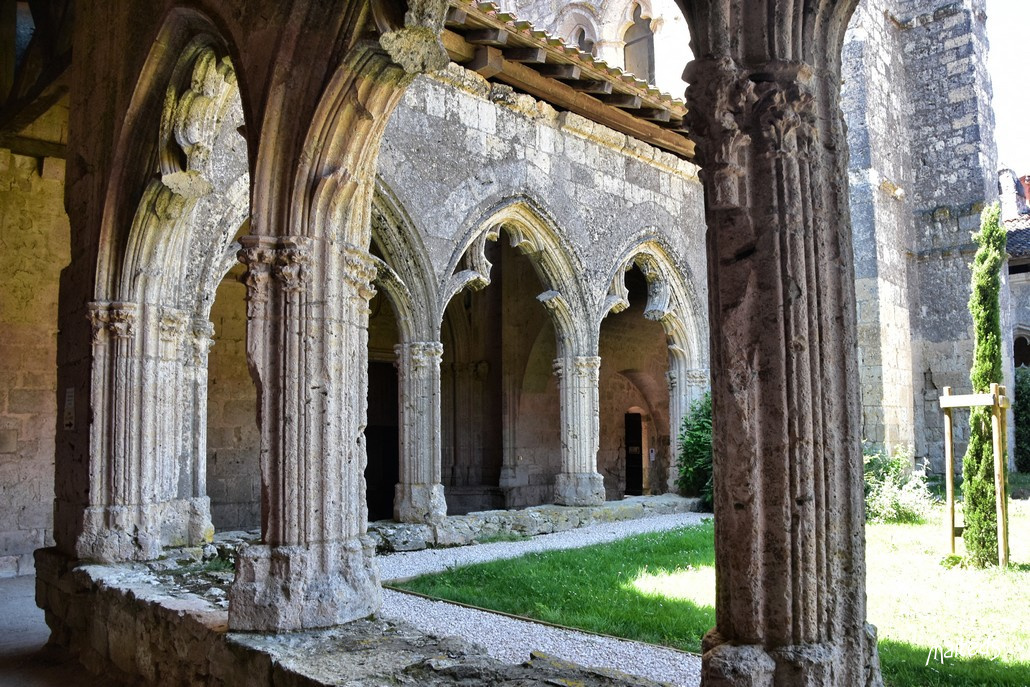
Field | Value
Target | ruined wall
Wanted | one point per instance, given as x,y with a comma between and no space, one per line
33,250
233,439
881,216
951,128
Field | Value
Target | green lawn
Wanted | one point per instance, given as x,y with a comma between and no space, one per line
660,588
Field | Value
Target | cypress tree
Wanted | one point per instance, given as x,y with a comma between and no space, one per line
981,521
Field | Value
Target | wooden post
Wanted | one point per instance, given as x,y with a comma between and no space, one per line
1000,465
999,473
949,474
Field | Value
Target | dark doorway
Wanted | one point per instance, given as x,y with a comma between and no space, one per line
381,440
634,455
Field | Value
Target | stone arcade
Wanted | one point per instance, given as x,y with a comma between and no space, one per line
378,200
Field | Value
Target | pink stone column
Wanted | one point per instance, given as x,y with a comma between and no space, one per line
579,483
790,558
419,495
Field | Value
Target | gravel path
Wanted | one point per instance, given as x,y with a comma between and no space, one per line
510,640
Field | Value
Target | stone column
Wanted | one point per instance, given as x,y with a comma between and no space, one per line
578,483
790,559
142,494
419,496
307,344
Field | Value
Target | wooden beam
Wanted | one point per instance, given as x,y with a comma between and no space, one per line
495,37
566,72
33,147
18,115
535,81
967,400
459,50
653,114
526,55
592,87
564,96
487,62
456,17
623,100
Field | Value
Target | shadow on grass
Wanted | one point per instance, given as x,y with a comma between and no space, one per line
905,664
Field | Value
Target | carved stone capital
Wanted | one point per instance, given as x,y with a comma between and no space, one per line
202,339
173,323
736,112
584,367
784,112
285,259
293,263
114,319
424,355
358,270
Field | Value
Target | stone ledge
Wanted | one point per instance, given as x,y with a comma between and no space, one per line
462,530
131,625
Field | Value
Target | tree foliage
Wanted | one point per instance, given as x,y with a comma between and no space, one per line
1021,417
695,451
981,521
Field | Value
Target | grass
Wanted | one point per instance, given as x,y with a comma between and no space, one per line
607,588
937,626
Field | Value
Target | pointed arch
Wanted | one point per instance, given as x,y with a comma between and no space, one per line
405,254
154,285
530,229
672,300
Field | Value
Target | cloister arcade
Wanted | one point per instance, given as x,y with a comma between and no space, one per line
326,206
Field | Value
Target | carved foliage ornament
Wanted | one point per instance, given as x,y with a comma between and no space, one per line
734,111
114,319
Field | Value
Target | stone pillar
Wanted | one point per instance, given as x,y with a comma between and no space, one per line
579,483
307,341
789,516
142,492
419,496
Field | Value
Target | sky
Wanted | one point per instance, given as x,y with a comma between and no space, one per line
1008,30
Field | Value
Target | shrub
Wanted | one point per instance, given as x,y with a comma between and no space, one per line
980,531
1021,418
695,451
893,491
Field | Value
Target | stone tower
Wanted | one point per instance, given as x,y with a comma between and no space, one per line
917,99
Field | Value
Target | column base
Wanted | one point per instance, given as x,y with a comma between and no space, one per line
284,588
419,503
804,665
139,532
579,489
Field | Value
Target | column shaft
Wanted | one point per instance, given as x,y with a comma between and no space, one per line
790,604
579,483
419,496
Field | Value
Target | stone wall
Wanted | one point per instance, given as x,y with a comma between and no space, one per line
233,440
951,128
921,134
34,247
881,217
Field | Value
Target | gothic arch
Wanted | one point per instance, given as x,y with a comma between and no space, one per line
533,232
151,334
406,272
671,299
575,16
